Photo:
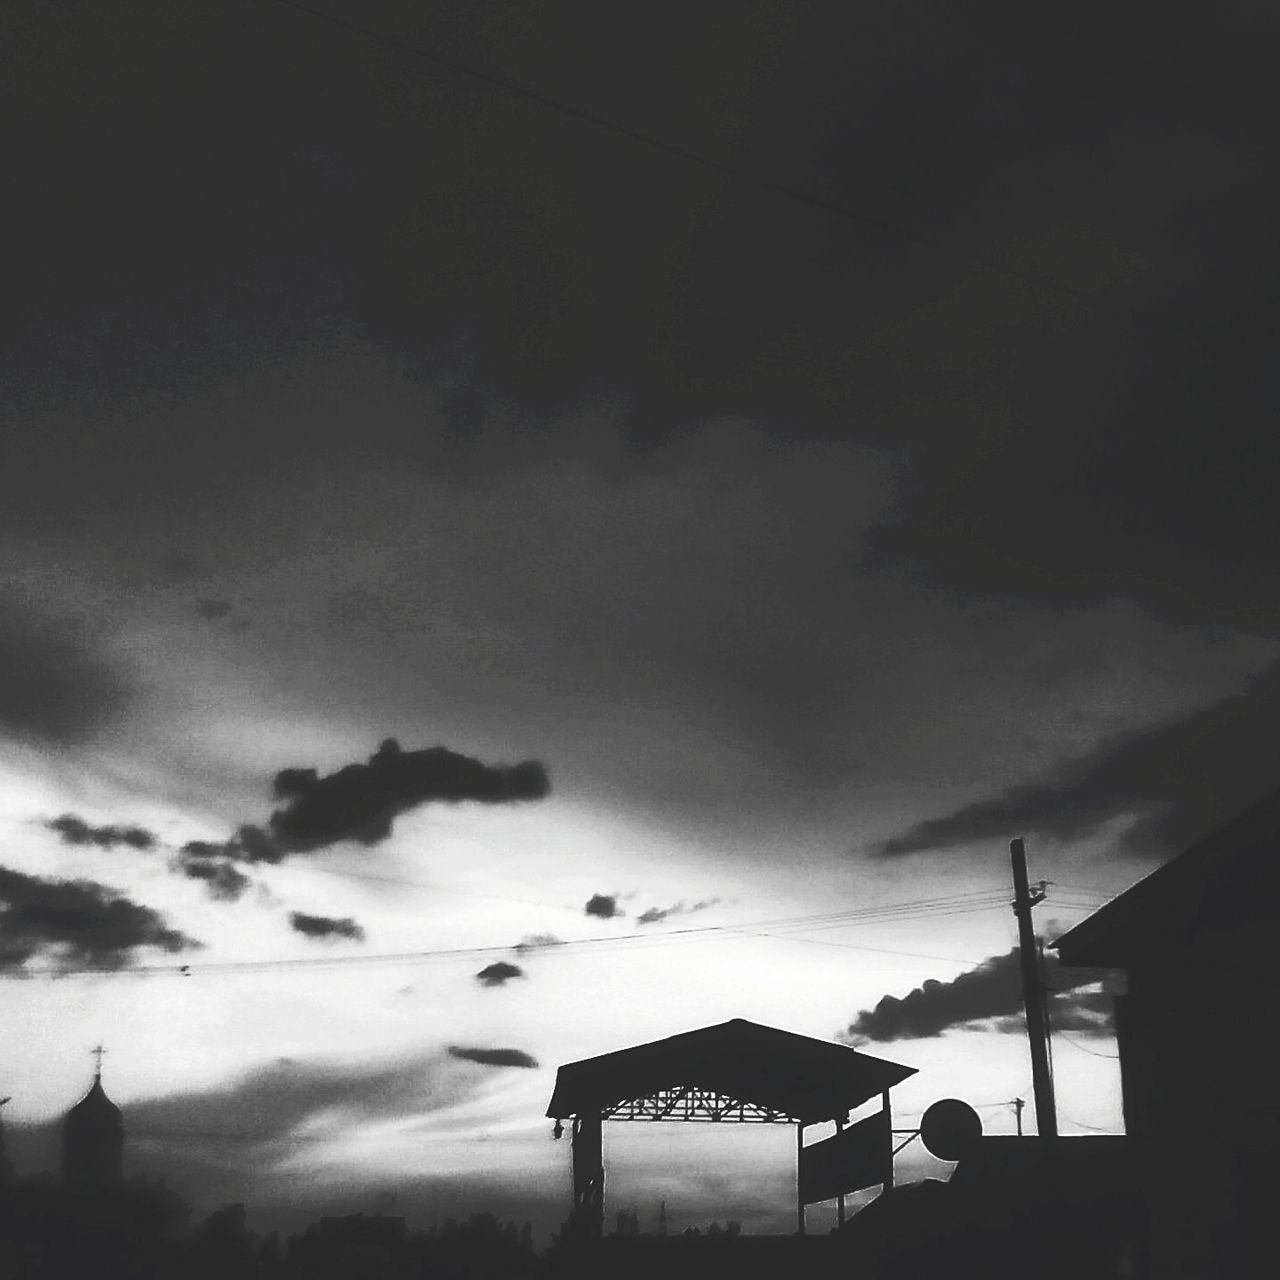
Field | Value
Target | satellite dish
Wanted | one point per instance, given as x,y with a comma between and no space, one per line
950,1129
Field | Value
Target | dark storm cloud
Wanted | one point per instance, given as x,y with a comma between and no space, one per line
222,879
991,991
361,801
74,923
492,1057
54,687
1039,444
498,973
655,915
499,260
603,905
1179,779
75,830
318,927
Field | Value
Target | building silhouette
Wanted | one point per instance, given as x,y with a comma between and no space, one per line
93,1139
1194,941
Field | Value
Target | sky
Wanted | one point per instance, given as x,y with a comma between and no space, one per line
483,498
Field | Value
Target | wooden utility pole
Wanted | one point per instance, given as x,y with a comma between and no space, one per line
1018,1104
1033,993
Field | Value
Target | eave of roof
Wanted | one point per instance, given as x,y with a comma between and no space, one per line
1165,898
807,1079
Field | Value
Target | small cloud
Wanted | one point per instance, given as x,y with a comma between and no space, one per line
655,915
74,830
249,844
361,801
493,1057
213,608
224,881
498,973
325,926
77,923
536,942
603,905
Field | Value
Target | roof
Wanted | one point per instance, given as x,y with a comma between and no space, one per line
807,1079
1224,878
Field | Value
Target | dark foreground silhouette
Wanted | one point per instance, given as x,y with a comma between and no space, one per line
142,1230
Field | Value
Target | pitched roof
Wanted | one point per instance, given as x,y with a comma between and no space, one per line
807,1079
1226,877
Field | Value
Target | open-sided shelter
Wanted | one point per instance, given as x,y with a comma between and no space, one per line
736,1072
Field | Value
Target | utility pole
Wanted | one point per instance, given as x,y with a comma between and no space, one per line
1018,1104
1033,993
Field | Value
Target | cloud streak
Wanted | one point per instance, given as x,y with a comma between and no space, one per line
1221,756
493,1057
77,923
655,915
989,995
76,831
225,1138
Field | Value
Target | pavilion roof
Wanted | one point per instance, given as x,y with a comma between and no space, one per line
806,1079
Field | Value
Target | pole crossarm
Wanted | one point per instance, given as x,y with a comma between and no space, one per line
687,1102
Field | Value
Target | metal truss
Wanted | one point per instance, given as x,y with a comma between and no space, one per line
689,1103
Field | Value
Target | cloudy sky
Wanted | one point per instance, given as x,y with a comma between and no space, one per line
451,544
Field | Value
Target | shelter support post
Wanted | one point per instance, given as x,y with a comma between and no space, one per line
888,1124
799,1192
840,1197
588,1174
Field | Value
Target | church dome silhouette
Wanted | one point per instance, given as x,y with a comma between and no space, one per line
93,1140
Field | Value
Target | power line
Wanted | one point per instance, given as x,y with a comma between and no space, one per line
1092,890
518,89
1084,1048
1080,1124
931,907
853,946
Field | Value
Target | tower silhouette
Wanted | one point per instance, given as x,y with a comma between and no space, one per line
93,1138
